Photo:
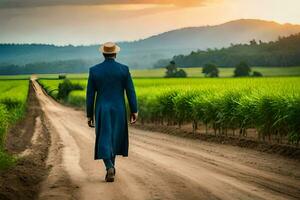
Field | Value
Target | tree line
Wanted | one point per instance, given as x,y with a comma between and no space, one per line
283,52
68,66
211,70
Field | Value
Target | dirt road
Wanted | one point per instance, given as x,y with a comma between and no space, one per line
159,166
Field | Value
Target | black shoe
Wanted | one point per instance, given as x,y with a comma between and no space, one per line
110,175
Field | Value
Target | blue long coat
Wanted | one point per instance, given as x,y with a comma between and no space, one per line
108,81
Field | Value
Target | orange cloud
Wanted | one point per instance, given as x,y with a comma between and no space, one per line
185,3
41,3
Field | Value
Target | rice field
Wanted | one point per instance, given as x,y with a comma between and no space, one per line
224,106
13,96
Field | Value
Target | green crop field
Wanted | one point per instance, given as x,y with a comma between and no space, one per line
13,96
227,106
191,72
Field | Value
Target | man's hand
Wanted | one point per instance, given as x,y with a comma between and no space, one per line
91,122
133,117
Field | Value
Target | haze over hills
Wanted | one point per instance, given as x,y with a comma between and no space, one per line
144,53
238,31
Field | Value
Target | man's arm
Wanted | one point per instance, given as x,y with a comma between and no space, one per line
90,100
131,96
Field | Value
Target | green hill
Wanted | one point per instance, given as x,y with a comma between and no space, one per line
283,52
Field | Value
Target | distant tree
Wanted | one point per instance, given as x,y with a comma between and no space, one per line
66,87
242,69
62,76
257,74
214,74
181,74
161,63
172,71
210,70
253,42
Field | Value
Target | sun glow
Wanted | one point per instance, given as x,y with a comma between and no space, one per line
134,7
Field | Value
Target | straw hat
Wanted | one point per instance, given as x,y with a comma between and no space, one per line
109,48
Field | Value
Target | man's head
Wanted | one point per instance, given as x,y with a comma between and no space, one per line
112,55
109,49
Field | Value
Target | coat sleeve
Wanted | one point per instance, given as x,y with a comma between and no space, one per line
130,93
90,96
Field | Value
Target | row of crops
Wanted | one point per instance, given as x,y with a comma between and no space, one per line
13,97
270,106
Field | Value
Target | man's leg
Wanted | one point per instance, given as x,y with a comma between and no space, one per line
110,170
113,160
108,163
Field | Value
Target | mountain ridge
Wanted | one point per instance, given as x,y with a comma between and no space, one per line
145,52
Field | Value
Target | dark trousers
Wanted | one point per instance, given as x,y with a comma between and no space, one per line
109,163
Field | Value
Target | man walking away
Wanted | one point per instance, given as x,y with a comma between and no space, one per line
107,82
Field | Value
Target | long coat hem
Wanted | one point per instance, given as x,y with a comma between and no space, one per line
98,158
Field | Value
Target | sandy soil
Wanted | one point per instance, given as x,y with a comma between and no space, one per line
159,166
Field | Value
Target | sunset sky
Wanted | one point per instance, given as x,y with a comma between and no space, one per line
95,21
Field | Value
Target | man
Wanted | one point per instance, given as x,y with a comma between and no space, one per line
108,81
